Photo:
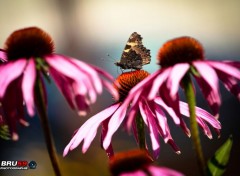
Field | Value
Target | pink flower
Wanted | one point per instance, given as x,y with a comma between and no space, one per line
137,163
152,113
30,57
185,55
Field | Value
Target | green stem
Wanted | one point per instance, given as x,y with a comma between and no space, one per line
140,132
45,125
190,96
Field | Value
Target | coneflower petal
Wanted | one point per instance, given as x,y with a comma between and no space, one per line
175,77
90,126
10,72
28,83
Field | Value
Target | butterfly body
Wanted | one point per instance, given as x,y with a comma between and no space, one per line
134,55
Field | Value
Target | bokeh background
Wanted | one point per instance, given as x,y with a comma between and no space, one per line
90,30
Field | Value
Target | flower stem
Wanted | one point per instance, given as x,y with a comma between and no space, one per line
140,132
189,93
41,107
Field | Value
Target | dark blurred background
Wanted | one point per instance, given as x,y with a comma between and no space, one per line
89,30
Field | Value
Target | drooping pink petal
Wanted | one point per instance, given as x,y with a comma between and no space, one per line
174,146
169,110
133,108
113,125
201,123
93,76
82,105
88,130
225,68
163,171
12,104
201,113
230,83
28,83
162,122
109,150
213,100
152,126
205,128
134,128
92,130
143,112
64,85
232,63
208,83
65,67
209,76
158,81
133,173
177,73
173,110
9,72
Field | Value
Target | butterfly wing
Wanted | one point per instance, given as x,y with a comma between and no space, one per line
134,54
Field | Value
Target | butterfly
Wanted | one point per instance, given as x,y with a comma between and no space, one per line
134,55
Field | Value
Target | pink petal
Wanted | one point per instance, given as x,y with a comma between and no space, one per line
88,130
169,110
173,110
113,125
144,83
209,76
133,106
109,150
28,83
207,73
163,171
175,77
232,63
82,105
9,72
64,85
66,67
213,100
134,128
161,78
152,126
174,146
133,173
93,76
230,83
162,122
200,113
225,68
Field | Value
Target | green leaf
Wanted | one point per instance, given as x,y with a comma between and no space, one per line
218,163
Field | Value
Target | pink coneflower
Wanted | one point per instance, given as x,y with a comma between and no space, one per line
184,55
151,113
30,56
137,163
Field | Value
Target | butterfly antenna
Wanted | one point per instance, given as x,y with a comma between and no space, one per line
111,57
